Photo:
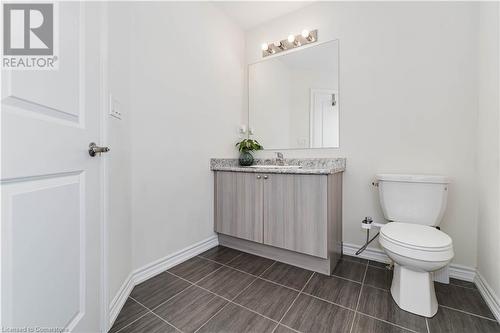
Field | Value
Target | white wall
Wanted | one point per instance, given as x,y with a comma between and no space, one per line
186,99
118,163
488,261
408,100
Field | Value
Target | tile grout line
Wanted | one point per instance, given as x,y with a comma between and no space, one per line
327,301
222,265
290,328
278,284
344,278
145,314
293,302
266,270
359,298
271,281
353,320
356,312
387,322
222,308
168,322
469,313
236,257
300,292
209,291
370,286
151,310
426,319
445,306
282,285
236,269
232,300
260,277
244,307
170,298
191,284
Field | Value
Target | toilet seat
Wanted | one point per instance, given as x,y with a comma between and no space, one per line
415,241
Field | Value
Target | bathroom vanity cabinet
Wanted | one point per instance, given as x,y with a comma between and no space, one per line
239,205
293,216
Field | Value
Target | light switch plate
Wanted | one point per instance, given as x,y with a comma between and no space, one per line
114,108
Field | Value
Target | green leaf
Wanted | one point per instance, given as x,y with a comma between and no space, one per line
248,145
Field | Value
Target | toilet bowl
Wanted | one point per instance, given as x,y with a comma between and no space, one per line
414,205
417,251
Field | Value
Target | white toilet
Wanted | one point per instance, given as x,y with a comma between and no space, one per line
414,205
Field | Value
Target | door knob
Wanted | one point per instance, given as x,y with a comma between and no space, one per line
95,149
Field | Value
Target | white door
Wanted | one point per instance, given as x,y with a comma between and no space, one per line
50,186
324,118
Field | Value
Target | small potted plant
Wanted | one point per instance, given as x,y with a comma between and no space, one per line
246,147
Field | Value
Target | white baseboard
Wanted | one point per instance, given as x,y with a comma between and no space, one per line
456,271
462,272
161,265
369,253
156,267
488,294
119,300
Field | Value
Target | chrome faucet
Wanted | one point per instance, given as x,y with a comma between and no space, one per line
279,159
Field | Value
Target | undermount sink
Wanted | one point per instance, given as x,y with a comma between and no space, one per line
273,166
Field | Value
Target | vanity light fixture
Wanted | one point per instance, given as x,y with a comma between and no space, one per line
293,41
280,45
307,35
267,48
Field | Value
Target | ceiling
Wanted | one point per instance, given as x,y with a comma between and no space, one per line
249,14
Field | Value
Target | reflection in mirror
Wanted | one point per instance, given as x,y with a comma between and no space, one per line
294,100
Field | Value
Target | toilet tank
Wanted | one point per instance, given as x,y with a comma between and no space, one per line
419,199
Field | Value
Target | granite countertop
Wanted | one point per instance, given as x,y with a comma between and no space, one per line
309,166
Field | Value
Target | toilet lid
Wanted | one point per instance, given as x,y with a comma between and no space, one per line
416,235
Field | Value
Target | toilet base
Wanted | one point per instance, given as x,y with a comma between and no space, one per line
413,291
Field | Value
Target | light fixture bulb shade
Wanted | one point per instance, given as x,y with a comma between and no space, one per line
291,38
305,33
264,47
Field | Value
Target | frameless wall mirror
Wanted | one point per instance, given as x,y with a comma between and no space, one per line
294,100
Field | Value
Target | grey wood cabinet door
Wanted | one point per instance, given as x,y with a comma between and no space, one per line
238,205
295,213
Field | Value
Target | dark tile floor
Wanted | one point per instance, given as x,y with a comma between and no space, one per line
224,290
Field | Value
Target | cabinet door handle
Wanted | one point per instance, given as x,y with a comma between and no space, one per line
258,177
265,177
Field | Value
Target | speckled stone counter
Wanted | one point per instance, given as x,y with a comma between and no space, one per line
314,166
